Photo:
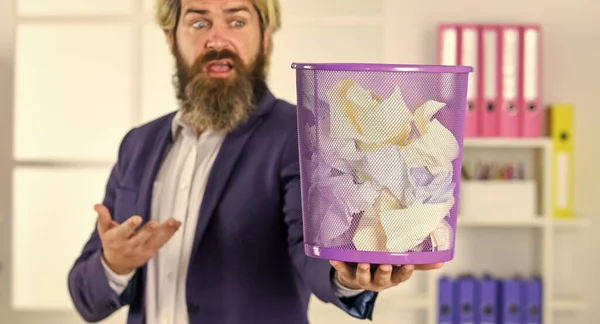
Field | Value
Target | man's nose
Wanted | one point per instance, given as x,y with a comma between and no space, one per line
216,38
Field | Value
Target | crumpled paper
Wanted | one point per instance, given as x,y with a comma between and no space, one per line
340,205
359,114
375,160
407,228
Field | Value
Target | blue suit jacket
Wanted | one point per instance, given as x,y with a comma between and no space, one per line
248,263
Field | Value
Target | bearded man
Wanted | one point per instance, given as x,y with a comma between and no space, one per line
201,222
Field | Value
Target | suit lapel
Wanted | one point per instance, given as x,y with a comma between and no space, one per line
163,140
228,155
154,153
220,173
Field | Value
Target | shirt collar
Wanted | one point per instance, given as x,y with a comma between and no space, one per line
177,125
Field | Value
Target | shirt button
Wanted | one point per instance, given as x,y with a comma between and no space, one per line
170,276
184,187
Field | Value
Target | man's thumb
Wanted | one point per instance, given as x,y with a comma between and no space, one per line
104,219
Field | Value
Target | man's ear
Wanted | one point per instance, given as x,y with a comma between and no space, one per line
267,40
170,38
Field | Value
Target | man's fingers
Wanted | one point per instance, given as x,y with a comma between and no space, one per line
402,273
343,269
104,219
125,230
163,233
429,266
145,233
383,275
363,274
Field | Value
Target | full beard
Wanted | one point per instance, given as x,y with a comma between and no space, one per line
219,104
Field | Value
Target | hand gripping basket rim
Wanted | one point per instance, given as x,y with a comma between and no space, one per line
383,67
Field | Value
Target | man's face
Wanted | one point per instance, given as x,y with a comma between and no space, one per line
220,53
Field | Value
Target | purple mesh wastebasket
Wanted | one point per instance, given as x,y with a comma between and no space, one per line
380,159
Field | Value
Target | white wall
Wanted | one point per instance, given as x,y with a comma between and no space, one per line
390,31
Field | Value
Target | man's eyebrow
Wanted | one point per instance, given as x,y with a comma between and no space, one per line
237,9
195,11
227,11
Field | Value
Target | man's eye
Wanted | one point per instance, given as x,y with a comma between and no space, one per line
237,24
199,24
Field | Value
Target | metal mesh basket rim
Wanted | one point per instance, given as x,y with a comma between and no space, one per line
382,67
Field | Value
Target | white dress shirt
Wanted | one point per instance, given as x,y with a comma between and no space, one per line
178,192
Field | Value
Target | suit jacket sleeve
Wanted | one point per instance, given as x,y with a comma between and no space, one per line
89,287
316,273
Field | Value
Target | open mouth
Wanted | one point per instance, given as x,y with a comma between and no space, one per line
220,66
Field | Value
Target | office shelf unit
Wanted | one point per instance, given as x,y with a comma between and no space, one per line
541,228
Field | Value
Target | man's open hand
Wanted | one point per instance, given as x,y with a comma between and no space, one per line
124,248
376,278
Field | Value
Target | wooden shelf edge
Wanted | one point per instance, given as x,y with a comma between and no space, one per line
576,222
498,142
499,222
568,304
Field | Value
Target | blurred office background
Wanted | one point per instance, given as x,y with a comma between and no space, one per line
76,75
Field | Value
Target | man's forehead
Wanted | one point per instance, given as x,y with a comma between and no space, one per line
215,5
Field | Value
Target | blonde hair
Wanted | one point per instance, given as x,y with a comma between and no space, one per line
168,11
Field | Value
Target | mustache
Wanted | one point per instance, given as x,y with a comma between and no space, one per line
214,55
